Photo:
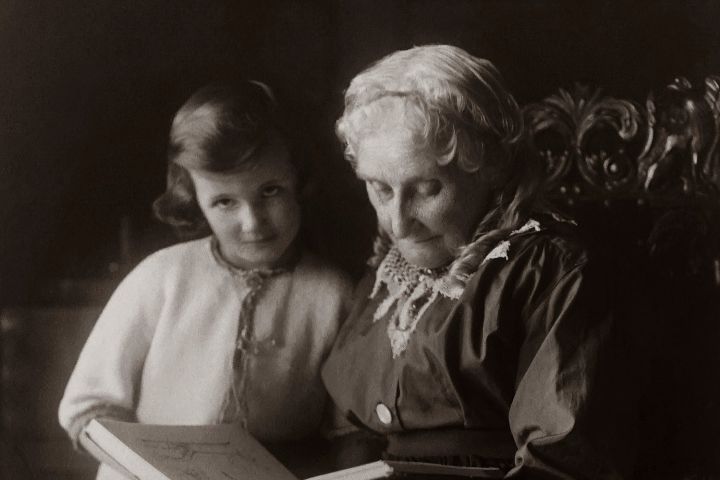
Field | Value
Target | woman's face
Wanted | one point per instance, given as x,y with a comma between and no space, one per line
253,212
427,209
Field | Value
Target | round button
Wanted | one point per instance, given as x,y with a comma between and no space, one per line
383,413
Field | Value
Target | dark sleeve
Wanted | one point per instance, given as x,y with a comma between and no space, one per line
572,412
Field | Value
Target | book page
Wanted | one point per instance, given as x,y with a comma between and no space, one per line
368,471
215,452
386,468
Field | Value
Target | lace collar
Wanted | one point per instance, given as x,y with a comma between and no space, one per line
412,290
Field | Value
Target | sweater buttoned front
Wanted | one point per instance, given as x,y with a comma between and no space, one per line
162,350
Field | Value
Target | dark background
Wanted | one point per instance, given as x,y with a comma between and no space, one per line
88,90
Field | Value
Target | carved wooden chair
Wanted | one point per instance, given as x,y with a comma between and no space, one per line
643,182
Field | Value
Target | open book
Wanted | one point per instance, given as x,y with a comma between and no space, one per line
170,452
225,452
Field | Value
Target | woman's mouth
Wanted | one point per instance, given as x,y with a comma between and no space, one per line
419,242
425,240
257,240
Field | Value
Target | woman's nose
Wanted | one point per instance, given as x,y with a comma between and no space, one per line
401,221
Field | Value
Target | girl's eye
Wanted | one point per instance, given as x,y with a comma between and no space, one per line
429,188
271,191
224,203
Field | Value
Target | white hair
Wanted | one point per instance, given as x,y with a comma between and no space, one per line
457,107
455,104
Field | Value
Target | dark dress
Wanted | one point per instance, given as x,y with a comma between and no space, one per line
521,371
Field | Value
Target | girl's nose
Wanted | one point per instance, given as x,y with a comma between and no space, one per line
251,217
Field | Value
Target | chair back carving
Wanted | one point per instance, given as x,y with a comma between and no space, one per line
643,180
659,162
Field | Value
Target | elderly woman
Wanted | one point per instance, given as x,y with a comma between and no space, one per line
480,334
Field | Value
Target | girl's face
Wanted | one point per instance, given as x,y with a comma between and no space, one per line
253,212
428,210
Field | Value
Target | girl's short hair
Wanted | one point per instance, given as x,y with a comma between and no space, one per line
459,109
220,128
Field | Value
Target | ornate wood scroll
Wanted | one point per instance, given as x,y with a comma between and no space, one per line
597,147
663,157
586,142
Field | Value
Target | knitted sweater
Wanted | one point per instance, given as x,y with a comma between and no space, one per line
162,350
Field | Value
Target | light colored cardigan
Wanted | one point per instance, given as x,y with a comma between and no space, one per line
162,349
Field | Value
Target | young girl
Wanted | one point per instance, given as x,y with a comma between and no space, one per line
232,327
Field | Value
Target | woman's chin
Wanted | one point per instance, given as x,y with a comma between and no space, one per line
425,256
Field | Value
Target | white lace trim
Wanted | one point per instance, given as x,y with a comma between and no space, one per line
412,290
500,251
529,225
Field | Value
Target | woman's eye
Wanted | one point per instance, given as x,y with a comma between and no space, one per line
381,190
223,203
429,188
271,190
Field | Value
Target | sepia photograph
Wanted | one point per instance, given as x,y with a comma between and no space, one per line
360,239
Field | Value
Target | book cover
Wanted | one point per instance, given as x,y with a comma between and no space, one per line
169,452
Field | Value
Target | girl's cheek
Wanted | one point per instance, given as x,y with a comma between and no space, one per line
289,212
295,219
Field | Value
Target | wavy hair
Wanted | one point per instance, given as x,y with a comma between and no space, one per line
219,128
459,109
